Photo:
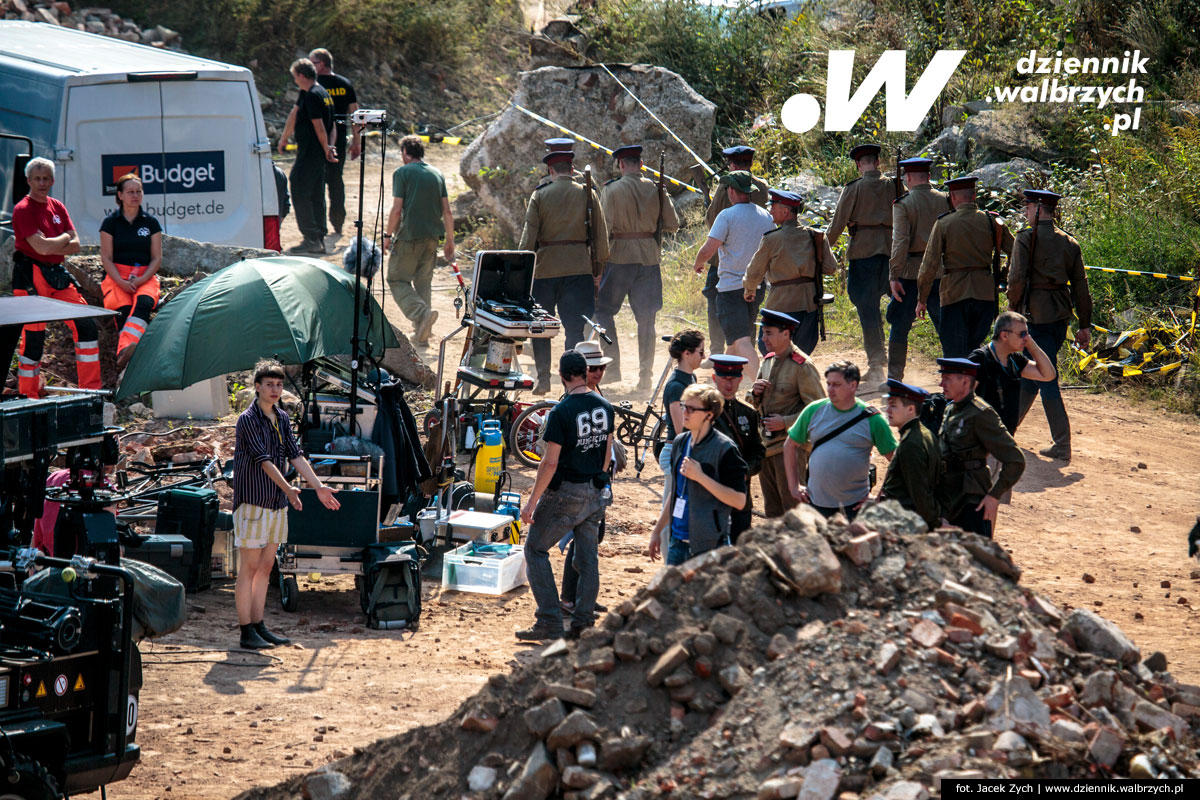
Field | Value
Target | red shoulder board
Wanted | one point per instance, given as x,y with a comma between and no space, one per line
798,358
769,355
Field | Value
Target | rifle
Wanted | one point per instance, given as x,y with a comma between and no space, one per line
899,184
662,187
819,274
1037,218
997,238
587,221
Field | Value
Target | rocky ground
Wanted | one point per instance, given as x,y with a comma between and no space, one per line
815,659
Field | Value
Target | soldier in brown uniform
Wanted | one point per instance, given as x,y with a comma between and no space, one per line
560,144
738,158
1046,280
787,382
787,258
913,215
963,247
635,212
555,227
865,207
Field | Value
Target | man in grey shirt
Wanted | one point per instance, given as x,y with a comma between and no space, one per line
842,430
736,233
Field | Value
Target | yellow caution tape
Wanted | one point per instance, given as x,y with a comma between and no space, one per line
596,145
1159,275
442,139
1154,349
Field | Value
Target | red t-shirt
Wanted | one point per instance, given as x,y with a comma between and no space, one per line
50,217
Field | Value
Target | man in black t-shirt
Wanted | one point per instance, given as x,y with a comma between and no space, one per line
569,495
1011,355
345,103
312,123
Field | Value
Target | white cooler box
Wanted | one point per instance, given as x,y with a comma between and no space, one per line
464,572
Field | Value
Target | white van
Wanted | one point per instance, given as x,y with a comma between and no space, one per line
191,128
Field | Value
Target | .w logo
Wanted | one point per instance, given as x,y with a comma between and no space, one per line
905,111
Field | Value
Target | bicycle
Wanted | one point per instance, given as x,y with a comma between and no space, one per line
630,426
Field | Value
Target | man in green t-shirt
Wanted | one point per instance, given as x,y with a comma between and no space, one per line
420,215
842,430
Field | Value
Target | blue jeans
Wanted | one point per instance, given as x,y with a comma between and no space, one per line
664,458
866,283
571,507
680,551
965,326
569,298
1050,337
901,314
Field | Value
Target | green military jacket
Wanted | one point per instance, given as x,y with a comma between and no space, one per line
740,423
785,255
913,216
555,229
865,207
795,382
631,209
1057,260
961,243
971,431
914,473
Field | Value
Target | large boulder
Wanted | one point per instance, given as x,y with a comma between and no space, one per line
1005,134
1009,177
504,164
186,257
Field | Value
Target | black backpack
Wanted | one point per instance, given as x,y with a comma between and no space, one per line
932,411
391,585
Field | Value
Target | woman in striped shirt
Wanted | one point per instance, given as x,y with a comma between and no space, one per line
263,447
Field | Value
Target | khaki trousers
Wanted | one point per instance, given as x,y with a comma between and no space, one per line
773,479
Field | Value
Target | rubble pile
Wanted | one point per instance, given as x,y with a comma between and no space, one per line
814,659
93,20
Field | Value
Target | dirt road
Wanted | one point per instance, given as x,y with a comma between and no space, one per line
215,720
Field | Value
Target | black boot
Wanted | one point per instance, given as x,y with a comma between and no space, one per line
252,641
274,638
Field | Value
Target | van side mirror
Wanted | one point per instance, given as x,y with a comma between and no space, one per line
20,184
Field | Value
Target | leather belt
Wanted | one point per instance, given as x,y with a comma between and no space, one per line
562,241
632,235
793,281
967,269
912,253
861,227
1049,286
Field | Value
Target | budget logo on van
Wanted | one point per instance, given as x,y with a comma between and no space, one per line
167,173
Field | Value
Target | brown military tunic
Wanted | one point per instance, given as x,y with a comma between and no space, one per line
1056,260
795,382
865,207
631,209
913,216
555,229
961,243
720,199
787,259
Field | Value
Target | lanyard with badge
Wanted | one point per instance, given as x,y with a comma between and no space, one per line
681,498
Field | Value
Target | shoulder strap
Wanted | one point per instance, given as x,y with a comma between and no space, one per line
859,417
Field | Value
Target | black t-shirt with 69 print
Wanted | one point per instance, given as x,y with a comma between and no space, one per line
580,424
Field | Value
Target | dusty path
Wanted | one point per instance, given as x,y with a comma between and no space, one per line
342,685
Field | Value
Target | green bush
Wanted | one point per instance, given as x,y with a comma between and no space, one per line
273,33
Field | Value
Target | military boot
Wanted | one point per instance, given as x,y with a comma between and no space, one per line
897,359
876,360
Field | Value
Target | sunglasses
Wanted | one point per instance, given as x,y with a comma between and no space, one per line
1023,334
597,368
695,409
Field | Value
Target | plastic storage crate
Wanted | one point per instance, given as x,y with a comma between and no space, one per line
464,569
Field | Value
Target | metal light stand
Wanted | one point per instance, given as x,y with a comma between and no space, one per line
364,117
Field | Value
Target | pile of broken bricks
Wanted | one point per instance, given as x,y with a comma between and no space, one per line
817,659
